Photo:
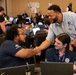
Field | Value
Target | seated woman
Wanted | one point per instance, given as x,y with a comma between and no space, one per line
61,52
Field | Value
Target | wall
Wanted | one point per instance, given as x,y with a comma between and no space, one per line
2,3
18,6
7,5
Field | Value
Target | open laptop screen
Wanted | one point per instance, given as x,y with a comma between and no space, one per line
56,68
18,70
11,19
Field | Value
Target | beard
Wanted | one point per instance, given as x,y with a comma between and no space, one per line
21,42
55,20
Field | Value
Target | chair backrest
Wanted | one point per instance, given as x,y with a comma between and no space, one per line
2,39
39,37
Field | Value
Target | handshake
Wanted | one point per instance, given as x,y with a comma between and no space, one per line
37,50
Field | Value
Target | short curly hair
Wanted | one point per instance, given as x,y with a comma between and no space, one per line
55,8
12,32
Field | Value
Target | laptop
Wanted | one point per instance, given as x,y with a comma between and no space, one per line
41,26
18,70
28,20
11,19
35,30
56,68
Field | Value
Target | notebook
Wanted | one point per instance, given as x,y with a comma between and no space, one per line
35,30
56,68
18,70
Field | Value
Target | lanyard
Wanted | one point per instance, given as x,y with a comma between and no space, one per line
61,59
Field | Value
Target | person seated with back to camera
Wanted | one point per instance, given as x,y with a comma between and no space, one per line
19,19
12,53
40,22
24,14
47,24
61,52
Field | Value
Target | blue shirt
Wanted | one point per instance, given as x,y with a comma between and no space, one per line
52,55
7,55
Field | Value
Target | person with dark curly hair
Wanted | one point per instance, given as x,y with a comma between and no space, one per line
12,53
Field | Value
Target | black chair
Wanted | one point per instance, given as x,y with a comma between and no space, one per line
39,38
2,39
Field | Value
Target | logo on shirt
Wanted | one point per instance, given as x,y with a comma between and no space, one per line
67,60
17,46
69,23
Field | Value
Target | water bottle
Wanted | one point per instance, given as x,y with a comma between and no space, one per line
28,70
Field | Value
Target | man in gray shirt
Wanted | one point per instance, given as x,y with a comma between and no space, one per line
60,23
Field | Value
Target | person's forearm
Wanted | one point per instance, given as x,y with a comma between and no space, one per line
3,29
2,25
74,68
26,53
74,41
30,53
73,44
45,45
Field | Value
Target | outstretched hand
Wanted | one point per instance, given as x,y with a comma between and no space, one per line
38,51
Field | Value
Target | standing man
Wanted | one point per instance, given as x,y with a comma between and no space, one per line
60,23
